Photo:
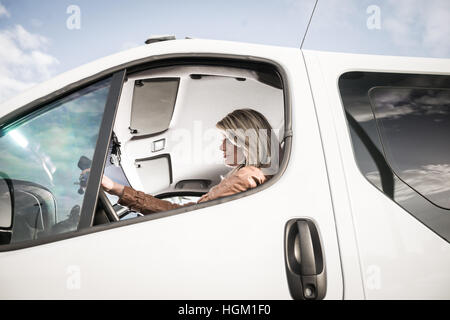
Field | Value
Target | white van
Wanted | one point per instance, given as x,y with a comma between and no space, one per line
358,207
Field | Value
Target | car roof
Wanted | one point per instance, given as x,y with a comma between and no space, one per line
69,80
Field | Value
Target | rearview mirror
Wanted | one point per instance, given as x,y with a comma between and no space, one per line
6,202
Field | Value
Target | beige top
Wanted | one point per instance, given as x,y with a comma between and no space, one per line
243,179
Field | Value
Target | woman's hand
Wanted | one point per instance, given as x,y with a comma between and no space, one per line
108,185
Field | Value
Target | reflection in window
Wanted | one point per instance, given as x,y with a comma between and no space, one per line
40,154
415,127
399,124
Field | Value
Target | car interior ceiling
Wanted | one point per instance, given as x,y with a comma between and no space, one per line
184,99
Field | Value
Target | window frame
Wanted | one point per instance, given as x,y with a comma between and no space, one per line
120,75
101,151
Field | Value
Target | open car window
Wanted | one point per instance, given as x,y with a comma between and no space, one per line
175,149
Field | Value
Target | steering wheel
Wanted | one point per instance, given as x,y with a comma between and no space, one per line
109,210
5,237
9,183
85,163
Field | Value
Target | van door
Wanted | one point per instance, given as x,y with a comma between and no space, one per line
268,244
385,123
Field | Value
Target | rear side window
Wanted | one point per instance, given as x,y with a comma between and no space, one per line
400,128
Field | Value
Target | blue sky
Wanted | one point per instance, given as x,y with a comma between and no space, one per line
406,27
36,44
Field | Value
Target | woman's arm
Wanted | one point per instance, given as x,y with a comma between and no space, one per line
145,203
244,179
138,200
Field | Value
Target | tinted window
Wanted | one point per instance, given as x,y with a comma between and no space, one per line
40,155
399,125
414,124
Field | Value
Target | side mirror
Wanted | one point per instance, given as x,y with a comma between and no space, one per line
6,208
6,202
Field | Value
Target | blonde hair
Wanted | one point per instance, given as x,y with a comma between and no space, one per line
249,130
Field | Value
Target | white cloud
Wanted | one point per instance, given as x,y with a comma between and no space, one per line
415,24
437,30
386,104
408,27
23,61
9,87
3,11
28,40
432,181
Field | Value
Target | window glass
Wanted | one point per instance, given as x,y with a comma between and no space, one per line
153,104
41,153
399,125
414,124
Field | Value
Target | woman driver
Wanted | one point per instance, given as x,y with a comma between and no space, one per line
245,148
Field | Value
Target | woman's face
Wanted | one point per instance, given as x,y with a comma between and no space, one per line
232,154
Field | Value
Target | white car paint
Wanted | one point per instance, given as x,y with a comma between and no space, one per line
400,257
231,250
234,250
